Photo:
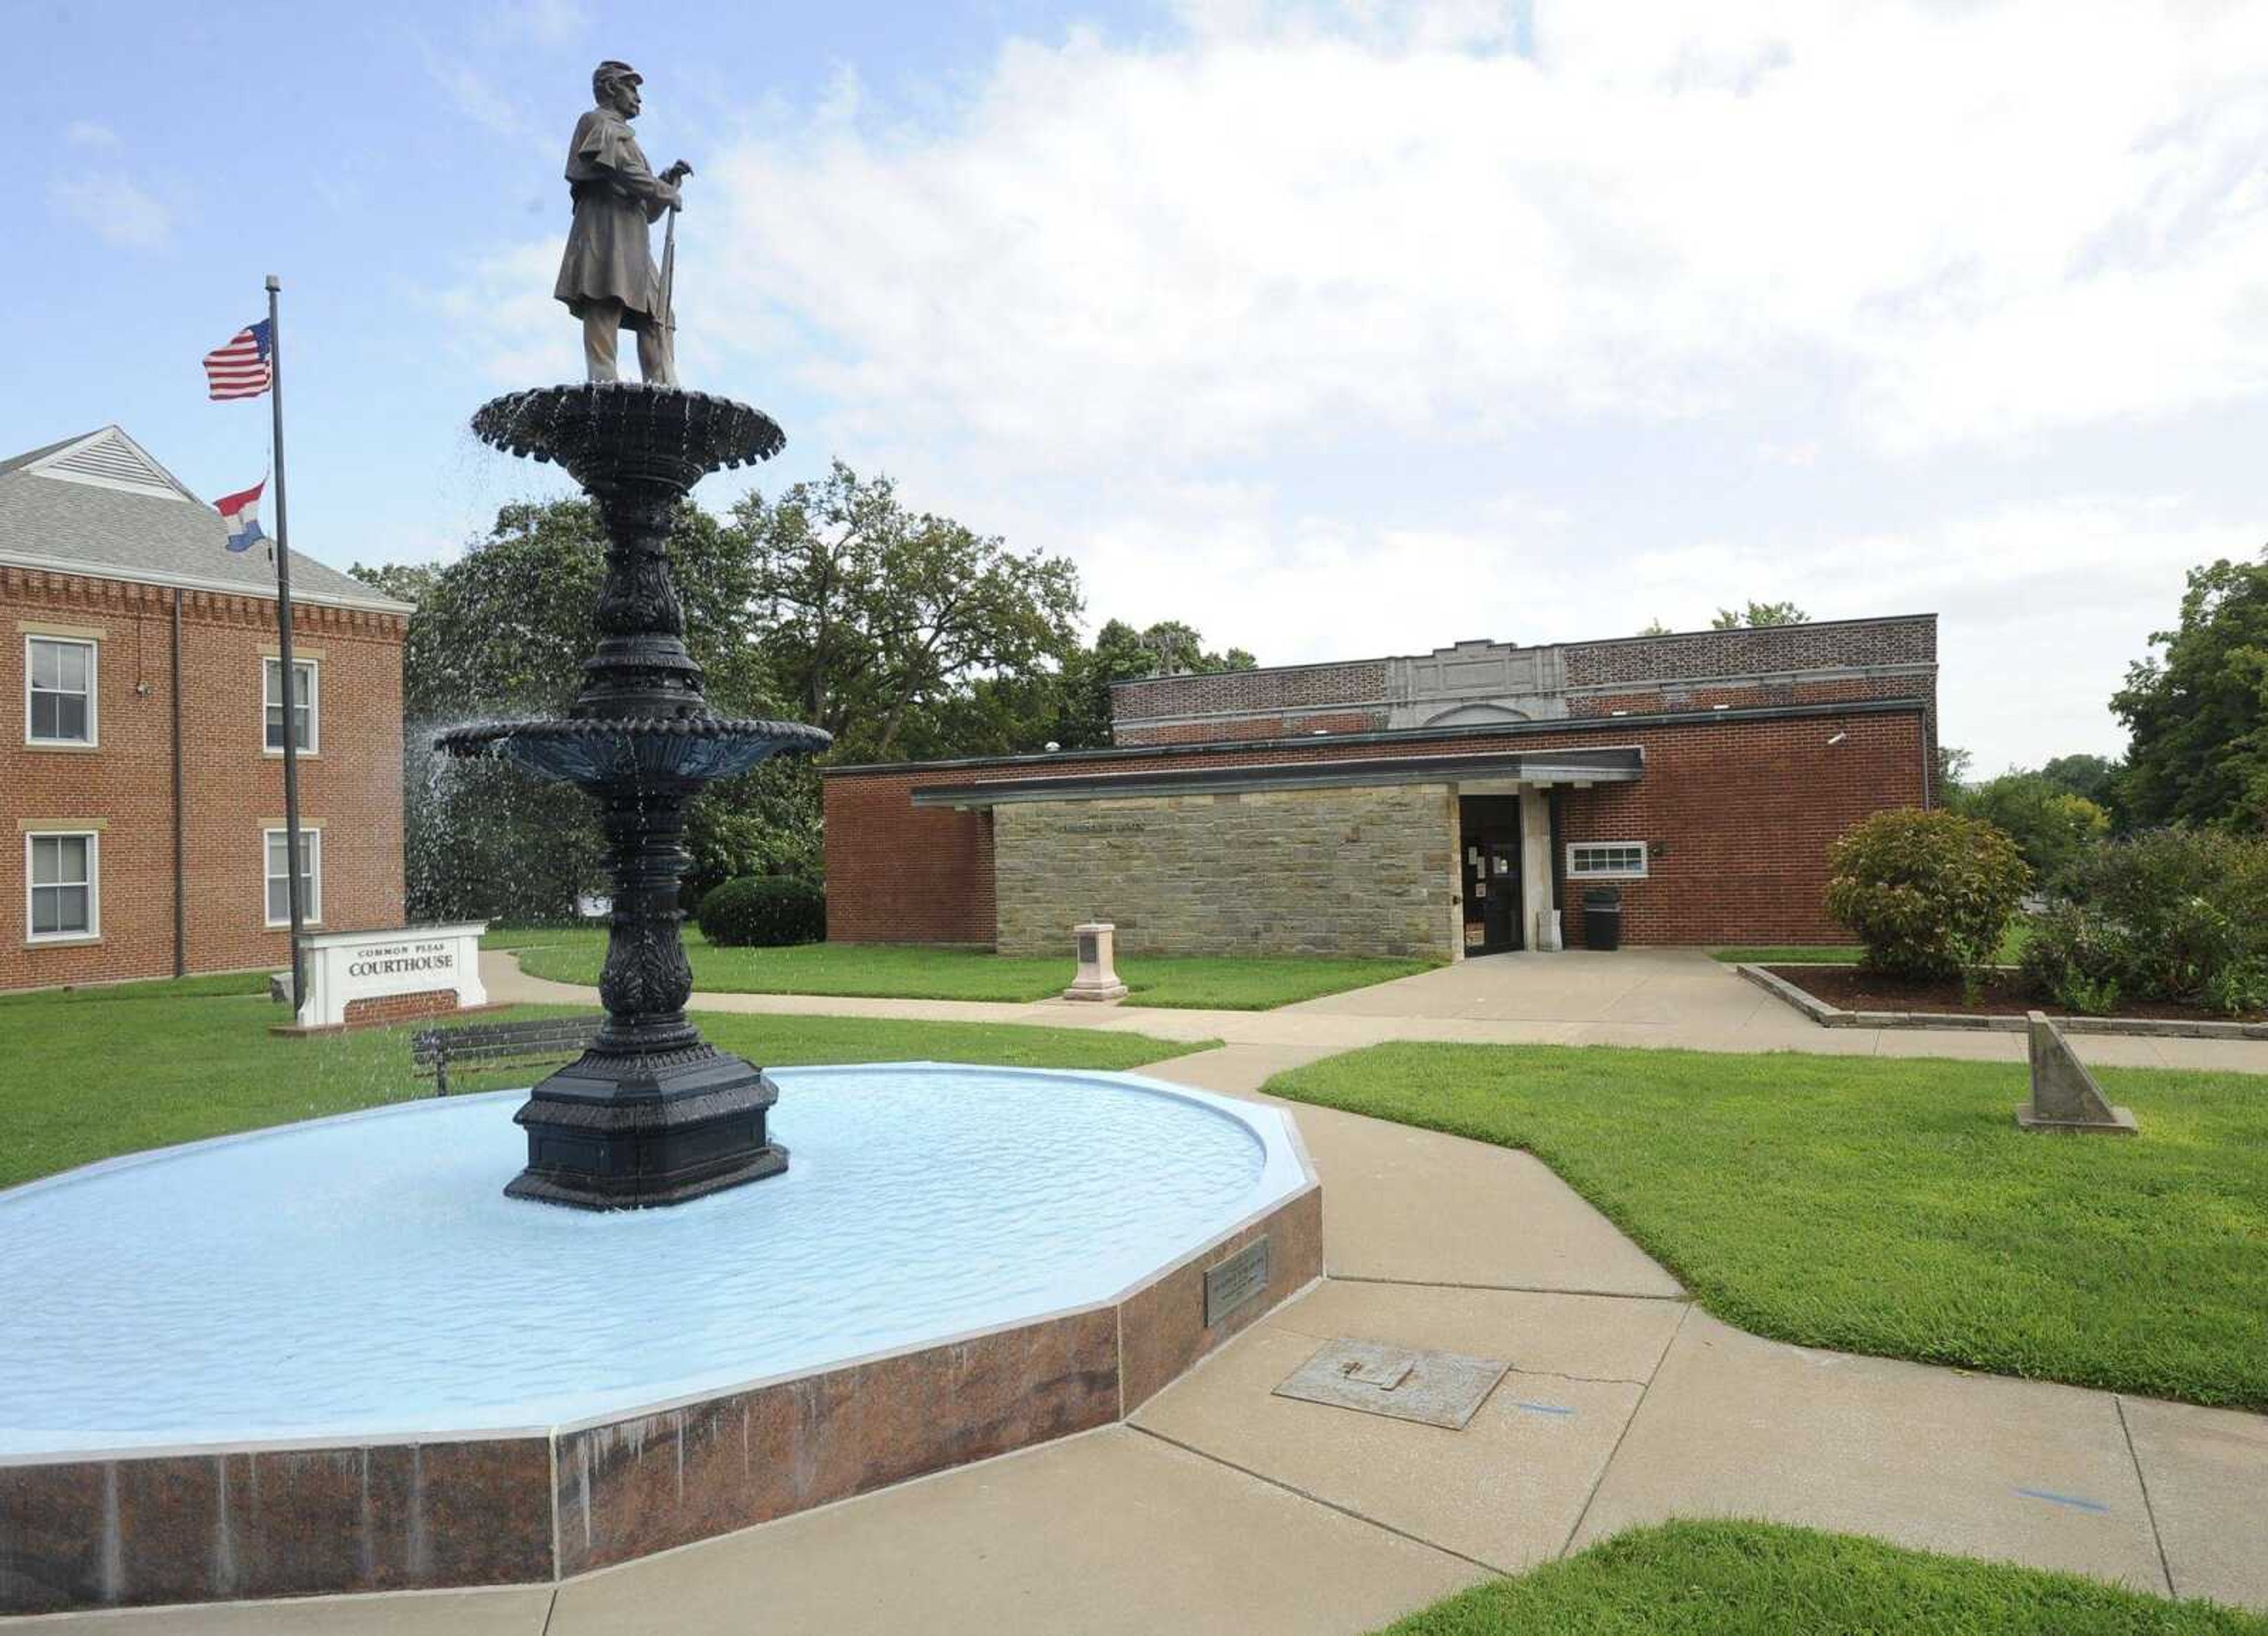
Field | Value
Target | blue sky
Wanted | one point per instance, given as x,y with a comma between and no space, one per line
1332,329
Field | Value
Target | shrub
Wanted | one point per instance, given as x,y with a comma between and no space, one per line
2242,987
1930,894
764,912
2078,958
2185,912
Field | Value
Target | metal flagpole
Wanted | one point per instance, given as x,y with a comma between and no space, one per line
292,840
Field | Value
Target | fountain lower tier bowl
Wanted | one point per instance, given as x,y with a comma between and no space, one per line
333,1356
601,752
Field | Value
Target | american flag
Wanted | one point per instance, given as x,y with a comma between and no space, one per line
244,367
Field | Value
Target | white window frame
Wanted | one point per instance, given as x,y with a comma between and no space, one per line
314,669
312,910
93,839
94,692
1576,871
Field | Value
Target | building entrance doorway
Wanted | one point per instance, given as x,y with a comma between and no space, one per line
1489,859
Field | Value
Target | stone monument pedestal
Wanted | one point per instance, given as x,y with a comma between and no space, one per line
2064,1095
1098,977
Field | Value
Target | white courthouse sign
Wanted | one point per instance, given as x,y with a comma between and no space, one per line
343,967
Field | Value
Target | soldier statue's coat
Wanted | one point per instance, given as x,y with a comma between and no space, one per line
616,195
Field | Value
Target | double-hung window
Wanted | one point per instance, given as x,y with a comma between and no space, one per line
1610,860
63,896
305,700
279,878
59,697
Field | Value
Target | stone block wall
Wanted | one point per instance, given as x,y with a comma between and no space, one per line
1345,871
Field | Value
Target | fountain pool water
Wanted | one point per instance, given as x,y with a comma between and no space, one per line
207,1295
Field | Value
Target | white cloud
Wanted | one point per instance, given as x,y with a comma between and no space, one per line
115,207
476,96
517,332
545,22
1997,221
1132,302
85,133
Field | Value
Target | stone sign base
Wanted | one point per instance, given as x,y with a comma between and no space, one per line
389,974
387,1012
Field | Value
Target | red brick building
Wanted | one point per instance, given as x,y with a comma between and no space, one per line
142,786
1440,804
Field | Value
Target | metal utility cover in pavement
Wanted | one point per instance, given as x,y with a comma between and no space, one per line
1431,1387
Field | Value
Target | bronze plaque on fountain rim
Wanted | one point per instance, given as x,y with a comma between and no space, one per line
1229,1283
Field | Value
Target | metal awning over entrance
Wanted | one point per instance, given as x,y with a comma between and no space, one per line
1573,767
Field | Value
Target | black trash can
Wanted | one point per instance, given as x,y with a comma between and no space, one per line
1603,916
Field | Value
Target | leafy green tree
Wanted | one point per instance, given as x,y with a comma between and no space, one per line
1653,627
871,614
1953,764
2050,825
2198,714
2092,776
503,631
404,582
1178,650
1759,613
1121,653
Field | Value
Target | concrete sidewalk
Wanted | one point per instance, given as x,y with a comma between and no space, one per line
1661,998
1223,1508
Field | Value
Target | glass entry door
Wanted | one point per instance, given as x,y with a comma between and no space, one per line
1489,862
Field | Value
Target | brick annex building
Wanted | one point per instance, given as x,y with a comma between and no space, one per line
144,784
1432,805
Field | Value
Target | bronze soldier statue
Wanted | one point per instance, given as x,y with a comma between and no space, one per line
608,277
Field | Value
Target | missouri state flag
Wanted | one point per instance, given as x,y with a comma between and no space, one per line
241,512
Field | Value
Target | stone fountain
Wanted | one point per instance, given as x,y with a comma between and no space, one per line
651,1114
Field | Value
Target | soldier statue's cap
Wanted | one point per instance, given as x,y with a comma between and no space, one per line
610,70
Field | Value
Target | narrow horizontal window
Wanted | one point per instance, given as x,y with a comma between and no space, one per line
1618,859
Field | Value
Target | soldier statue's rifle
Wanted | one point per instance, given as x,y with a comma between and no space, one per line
674,176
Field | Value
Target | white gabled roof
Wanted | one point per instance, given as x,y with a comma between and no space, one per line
99,504
109,459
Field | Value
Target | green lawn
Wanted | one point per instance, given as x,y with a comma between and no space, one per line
1709,1579
1892,1208
95,1071
923,971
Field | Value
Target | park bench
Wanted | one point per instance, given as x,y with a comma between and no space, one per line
500,1045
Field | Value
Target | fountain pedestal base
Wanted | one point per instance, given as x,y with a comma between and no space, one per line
624,1132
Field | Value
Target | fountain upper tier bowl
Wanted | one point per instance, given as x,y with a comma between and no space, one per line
607,433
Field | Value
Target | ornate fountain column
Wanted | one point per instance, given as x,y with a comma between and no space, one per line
652,1114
